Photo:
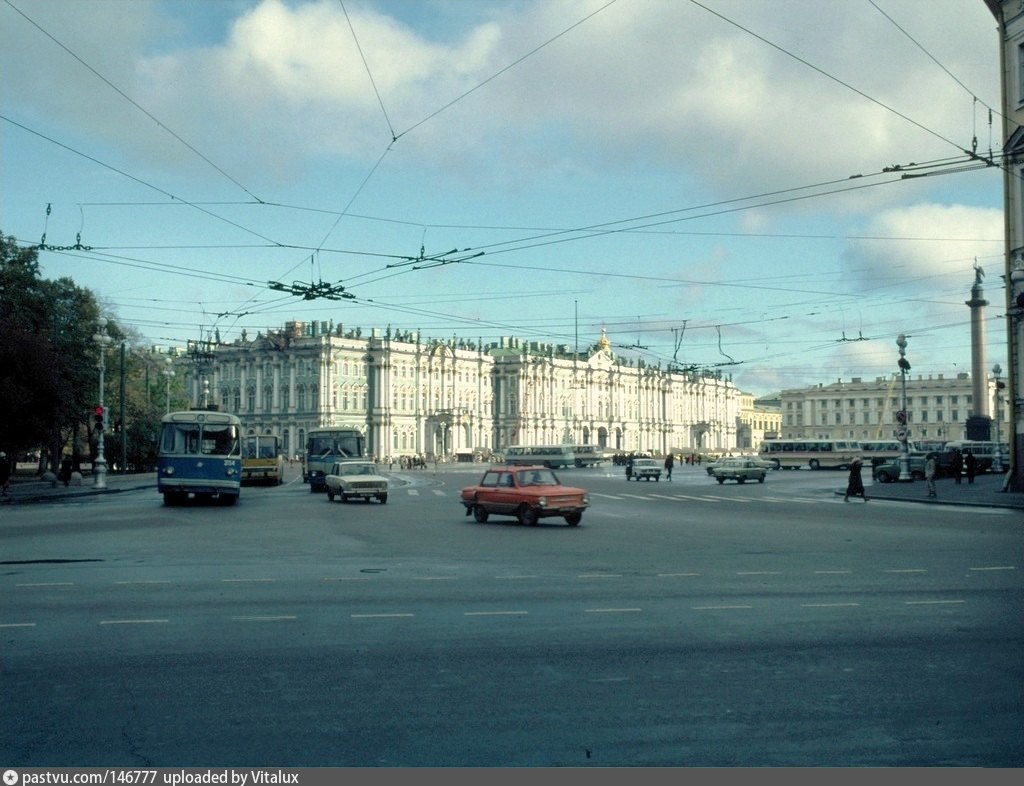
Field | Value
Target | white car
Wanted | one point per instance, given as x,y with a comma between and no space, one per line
356,480
646,468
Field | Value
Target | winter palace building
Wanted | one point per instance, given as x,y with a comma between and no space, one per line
430,397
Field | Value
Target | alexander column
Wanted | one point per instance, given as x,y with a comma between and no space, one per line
979,425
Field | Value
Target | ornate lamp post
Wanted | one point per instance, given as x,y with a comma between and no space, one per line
100,466
901,416
168,373
997,458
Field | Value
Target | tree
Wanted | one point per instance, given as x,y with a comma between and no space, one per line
47,356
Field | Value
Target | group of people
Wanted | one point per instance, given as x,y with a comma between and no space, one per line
959,465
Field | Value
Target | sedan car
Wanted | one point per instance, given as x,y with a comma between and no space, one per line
356,480
888,470
527,493
646,468
739,469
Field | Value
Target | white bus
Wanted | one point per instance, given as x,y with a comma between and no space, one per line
811,453
588,455
875,451
551,456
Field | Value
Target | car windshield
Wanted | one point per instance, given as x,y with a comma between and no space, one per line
358,469
537,477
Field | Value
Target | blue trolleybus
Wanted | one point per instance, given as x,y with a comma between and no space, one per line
200,456
326,445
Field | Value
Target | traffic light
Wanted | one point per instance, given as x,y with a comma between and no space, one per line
100,412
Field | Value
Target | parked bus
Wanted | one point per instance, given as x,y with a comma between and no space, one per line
199,457
262,461
984,452
588,455
812,453
551,456
326,445
875,451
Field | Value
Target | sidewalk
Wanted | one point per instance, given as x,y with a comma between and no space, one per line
984,492
25,488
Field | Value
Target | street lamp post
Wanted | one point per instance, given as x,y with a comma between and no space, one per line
100,465
901,417
997,458
168,373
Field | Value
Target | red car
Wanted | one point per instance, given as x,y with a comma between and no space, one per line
527,493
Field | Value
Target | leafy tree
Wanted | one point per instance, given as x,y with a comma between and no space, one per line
47,356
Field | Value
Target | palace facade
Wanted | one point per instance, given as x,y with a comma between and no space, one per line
429,397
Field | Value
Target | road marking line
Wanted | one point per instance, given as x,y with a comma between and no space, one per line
758,572
932,602
606,496
347,578
830,572
131,622
494,613
48,584
716,608
513,578
17,624
635,496
440,492
826,605
265,619
670,575
379,616
611,611
434,578
996,567
248,581
413,492
905,570
142,582
599,576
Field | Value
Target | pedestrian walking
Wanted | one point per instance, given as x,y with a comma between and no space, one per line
855,484
629,468
6,467
67,466
670,461
956,465
971,464
929,474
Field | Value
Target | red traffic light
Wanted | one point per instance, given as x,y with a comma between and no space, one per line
98,410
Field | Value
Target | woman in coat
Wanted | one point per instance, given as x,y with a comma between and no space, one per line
855,485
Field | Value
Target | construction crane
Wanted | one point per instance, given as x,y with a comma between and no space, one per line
885,407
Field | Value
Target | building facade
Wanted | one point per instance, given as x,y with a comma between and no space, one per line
938,408
413,396
1009,15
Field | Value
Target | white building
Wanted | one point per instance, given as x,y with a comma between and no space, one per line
416,396
937,408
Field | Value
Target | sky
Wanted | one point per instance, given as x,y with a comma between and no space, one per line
773,190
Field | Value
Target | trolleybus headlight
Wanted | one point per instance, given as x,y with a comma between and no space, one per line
168,470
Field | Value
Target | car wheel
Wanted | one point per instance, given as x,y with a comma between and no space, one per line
344,498
528,516
761,479
741,479
720,481
330,495
572,519
814,464
480,514
383,499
